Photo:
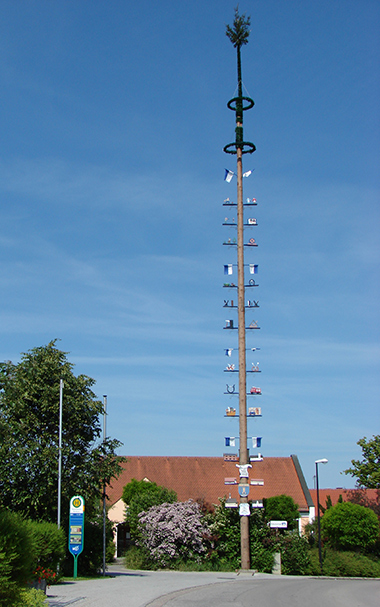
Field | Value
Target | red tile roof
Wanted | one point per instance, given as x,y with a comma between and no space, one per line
204,477
335,493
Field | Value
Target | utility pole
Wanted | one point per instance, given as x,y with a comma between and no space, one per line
238,35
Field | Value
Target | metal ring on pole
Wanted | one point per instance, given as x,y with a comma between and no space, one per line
250,105
239,145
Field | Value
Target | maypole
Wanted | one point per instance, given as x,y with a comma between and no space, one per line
238,35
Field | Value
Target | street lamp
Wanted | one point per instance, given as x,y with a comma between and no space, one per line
104,483
319,461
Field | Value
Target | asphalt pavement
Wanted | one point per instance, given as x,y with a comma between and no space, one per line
126,588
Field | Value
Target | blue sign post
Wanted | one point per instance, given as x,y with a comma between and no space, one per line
76,529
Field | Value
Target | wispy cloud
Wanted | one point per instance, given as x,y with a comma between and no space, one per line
61,182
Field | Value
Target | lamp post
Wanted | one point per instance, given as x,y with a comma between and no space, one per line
319,461
60,452
104,484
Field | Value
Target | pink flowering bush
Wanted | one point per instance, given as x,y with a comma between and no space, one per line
172,531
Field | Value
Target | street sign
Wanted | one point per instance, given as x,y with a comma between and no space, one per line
76,528
278,524
243,490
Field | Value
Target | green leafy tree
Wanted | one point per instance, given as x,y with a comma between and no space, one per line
139,496
29,423
360,496
367,471
262,542
329,503
348,526
281,508
224,526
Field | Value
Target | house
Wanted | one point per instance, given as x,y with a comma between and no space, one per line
371,495
211,478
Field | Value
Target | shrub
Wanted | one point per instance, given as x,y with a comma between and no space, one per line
32,598
135,558
348,526
262,557
110,551
18,544
50,543
9,589
343,564
295,554
26,548
172,531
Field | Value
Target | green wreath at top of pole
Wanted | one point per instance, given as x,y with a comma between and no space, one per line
239,145
239,104
238,35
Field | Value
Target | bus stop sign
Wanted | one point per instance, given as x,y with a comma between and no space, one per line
76,525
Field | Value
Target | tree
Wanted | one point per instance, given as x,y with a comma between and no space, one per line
329,503
224,526
281,508
29,422
367,471
139,496
360,496
348,526
239,32
172,531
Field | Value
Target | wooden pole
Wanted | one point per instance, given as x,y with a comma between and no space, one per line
238,35
243,452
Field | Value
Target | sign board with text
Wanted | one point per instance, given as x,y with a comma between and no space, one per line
278,524
76,525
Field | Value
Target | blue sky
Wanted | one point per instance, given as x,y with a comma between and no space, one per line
113,124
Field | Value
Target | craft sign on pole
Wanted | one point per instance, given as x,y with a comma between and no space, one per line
76,529
243,490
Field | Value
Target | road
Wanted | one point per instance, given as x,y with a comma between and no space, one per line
278,592
124,588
